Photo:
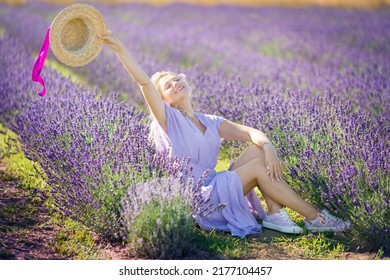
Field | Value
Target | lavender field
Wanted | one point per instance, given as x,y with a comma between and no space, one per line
315,80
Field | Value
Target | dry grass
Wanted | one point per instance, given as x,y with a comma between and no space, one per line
290,3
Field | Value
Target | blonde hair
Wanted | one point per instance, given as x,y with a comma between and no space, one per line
156,77
161,74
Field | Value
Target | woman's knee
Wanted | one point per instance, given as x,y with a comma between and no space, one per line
253,152
256,153
250,173
257,163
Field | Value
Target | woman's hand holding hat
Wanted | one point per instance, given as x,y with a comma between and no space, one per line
112,41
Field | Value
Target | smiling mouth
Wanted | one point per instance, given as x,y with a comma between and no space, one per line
179,89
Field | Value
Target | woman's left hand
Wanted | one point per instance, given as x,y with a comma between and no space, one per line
274,166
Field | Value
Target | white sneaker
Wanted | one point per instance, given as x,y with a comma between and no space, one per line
282,222
327,222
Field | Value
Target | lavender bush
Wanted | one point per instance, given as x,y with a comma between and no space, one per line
158,215
157,218
88,151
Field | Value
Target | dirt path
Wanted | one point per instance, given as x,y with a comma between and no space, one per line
24,229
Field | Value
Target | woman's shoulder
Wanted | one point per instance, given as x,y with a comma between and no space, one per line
212,119
171,110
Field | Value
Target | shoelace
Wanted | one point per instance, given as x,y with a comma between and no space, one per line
330,217
339,223
287,218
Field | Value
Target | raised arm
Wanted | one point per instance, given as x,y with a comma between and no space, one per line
149,91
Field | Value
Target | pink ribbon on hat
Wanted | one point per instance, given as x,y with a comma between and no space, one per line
40,60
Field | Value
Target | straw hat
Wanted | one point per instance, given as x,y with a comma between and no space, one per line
73,34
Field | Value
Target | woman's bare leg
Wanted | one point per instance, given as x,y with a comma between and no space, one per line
251,153
251,168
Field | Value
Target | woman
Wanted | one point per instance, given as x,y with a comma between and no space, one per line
184,132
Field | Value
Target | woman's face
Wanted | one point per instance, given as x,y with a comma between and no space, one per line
174,89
